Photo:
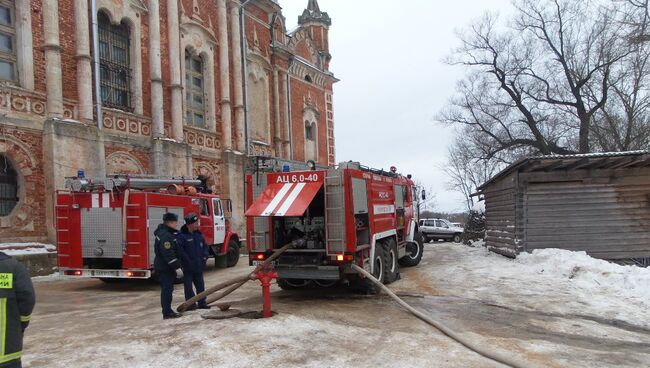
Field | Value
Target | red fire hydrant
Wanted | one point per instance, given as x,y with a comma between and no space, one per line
266,274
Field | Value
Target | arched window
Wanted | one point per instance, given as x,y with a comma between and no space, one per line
194,91
7,41
115,63
8,186
311,146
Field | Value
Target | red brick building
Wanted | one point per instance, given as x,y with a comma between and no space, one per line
181,93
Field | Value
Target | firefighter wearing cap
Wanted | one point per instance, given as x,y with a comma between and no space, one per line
16,304
195,249
167,261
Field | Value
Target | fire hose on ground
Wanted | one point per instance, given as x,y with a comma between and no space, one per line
237,282
495,356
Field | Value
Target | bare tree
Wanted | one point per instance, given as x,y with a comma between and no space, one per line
465,171
624,122
536,85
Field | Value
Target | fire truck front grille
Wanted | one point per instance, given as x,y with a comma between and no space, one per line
101,233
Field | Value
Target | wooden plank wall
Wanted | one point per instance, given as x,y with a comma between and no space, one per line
500,211
602,212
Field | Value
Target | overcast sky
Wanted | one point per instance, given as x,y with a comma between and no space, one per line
388,55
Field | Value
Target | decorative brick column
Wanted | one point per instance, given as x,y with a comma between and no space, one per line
157,115
224,71
235,29
84,61
52,49
175,69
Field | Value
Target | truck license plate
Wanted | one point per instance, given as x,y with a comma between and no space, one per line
259,263
104,273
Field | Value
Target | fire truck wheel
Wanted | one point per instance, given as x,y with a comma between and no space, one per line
293,284
233,253
326,283
366,286
390,261
414,252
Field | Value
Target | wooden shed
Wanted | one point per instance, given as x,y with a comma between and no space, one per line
598,203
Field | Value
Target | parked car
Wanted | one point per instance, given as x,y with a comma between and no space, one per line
437,229
458,225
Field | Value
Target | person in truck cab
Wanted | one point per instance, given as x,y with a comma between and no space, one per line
16,304
195,249
167,261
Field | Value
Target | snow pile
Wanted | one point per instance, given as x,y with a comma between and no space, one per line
15,249
589,273
479,207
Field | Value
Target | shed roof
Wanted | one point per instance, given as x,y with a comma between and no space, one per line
583,161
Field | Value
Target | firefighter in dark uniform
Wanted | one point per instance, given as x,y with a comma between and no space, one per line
16,304
167,261
195,249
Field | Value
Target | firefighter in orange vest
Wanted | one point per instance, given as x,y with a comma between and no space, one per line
17,301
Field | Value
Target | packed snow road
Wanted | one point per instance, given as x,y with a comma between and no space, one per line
554,310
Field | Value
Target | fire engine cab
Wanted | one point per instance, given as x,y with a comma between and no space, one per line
104,228
346,214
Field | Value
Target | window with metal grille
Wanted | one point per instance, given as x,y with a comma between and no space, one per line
8,186
194,91
8,70
114,63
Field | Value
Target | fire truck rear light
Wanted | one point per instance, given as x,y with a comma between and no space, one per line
260,256
136,274
344,257
72,272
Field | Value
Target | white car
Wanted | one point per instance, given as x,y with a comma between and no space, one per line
436,229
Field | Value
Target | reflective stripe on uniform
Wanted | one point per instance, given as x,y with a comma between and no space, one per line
3,326
6,280
172,261
10,357
25,318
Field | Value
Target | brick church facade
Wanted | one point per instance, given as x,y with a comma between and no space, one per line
186,87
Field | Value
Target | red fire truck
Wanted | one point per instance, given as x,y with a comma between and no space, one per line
105,227
346,214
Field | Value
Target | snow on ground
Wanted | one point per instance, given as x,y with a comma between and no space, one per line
550,280
15,249
590,274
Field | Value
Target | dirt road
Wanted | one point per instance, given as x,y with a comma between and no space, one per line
91,324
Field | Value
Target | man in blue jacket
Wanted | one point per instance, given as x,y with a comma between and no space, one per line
167,261
196,252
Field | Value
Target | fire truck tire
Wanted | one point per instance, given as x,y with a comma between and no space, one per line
391,268
414,252
293,284
326,283
232,257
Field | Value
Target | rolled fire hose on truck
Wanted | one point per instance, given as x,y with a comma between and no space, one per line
496,356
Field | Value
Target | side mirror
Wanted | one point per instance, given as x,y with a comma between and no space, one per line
424,194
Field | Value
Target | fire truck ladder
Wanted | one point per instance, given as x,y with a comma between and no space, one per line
62,218
334,212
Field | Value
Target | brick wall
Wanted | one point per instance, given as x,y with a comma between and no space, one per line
22,148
